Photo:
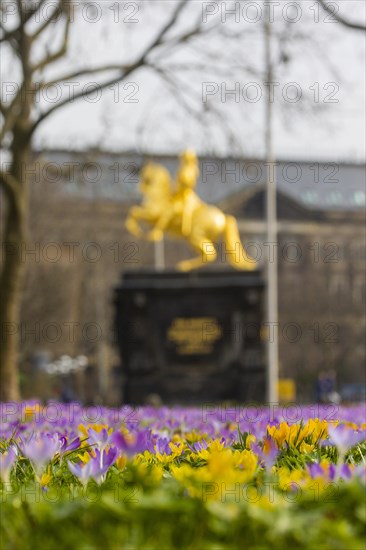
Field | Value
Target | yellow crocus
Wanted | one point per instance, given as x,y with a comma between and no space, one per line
121,462
45,479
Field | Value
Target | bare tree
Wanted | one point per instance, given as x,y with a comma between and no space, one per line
20,120
331,8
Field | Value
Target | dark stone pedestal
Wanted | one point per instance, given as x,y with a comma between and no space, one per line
191,337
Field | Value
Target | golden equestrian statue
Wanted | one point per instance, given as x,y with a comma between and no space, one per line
178,211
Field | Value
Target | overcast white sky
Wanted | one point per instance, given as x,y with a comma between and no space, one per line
325,60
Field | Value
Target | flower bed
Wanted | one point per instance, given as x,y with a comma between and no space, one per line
209,477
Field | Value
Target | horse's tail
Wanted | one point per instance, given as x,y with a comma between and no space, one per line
235,252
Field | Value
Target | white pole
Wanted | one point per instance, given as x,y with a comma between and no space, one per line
271,214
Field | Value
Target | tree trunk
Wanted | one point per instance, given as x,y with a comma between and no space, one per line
11,280
16,190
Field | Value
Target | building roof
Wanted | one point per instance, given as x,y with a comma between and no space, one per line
317,185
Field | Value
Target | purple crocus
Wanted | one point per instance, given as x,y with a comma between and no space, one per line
267,453
344,437
101,439
7,460
345,471
40,449
96,468
67,445
162,446
316,470
84,471
199,446
106,458
331,472
140,442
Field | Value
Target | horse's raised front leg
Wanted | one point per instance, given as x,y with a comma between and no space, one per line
136,214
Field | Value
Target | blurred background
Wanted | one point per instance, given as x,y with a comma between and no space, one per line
92,90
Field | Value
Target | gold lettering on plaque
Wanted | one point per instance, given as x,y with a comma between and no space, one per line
194,335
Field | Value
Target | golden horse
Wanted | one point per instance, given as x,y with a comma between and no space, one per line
180,212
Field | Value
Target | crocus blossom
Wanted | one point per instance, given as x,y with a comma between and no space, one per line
344,437
96,467
7,461
40,449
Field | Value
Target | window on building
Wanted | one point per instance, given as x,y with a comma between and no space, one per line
310,196
334,198
359,198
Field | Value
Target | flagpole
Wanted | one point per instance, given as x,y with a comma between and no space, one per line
271,223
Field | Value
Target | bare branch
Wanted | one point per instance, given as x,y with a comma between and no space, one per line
25,16
51,58
8,36
177,90
173,82
159,38
198,29
21,13
84,72
328,8
116,67
80,94
228,70
34,10
58,9
124,72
